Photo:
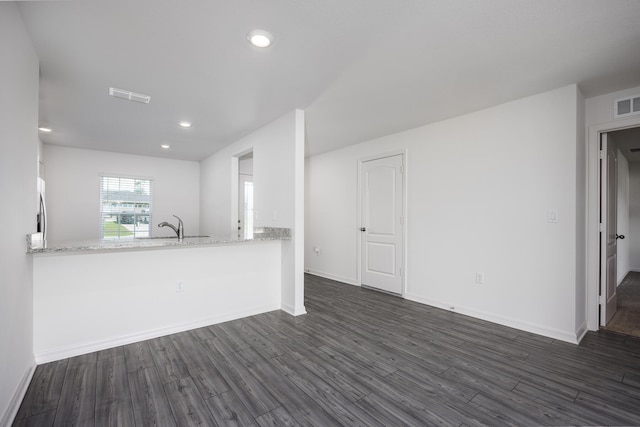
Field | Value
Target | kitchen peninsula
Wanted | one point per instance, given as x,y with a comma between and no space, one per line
90,296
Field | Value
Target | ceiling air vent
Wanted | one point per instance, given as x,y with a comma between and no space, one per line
634,150
628,106
131,96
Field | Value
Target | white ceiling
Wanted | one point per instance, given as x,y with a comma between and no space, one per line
360,69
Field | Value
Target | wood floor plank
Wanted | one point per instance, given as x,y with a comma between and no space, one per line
521,412
250,390
632,379
337,378
354,353
614,406
113,403
40,420
43,393
187,405
266,347
341,408
229,411
228,337
386,412
297,403
206,376
202,334
111,352
78,394
578,414
148,398
138,356
278,417
167,359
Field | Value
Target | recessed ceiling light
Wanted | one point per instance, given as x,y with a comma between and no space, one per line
165,146
42,129
185,124
260,38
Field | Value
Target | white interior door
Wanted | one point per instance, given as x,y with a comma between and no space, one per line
382,223
608,232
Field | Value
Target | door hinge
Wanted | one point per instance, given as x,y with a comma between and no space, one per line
400,271
601,227
601,155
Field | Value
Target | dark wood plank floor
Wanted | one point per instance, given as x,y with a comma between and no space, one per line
358,358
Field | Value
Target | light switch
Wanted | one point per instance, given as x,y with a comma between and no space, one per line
552,216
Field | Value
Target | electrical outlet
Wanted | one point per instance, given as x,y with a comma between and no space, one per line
180,286
480,278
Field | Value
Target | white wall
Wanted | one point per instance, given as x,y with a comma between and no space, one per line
479,188
73,315
622,220
18,172
278,176
634,216
73,190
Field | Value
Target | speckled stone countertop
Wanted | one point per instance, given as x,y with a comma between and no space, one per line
108,245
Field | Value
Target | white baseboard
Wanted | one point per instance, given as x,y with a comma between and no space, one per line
12,410
623,277
89,347
505,321
293,311
581,332
346,280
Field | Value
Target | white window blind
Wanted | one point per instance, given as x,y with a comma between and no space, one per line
125,207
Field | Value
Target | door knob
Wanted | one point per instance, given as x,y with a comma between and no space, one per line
620,236
363,229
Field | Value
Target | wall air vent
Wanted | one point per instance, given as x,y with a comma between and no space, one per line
131,96
634,150
623,107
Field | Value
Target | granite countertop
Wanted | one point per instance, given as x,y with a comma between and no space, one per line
107,245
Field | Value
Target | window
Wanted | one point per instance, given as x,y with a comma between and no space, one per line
125,207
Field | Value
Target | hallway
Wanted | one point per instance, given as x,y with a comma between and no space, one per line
627,317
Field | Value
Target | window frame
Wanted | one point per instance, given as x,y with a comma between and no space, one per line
128,206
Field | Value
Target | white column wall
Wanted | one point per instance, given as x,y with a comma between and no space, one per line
18,196
73,190
278,174
479,189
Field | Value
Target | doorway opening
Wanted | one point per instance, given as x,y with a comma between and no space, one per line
619,290
245,196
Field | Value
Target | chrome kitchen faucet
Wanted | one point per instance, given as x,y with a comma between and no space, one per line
179,230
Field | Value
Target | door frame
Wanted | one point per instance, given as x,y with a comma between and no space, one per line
235,170
357,231
594,261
